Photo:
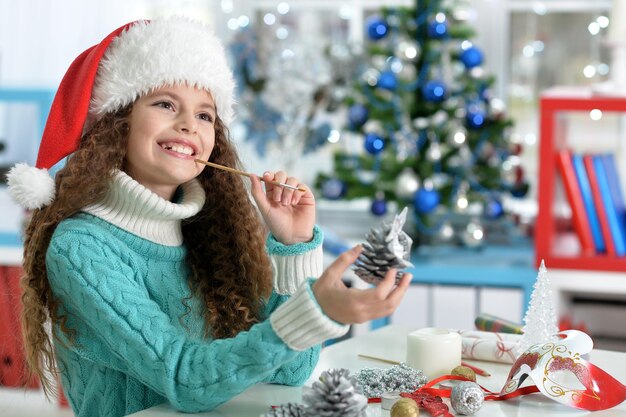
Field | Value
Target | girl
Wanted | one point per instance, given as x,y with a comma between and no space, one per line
153,269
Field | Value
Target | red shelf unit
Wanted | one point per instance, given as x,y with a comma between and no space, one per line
554,102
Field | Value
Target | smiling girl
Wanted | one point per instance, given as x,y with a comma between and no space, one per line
158,277
169,127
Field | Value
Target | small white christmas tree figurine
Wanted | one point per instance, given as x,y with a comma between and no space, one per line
540,321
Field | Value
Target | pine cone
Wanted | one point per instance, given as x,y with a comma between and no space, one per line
385,247
286,410
335,395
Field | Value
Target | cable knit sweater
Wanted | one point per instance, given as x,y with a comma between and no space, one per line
118,270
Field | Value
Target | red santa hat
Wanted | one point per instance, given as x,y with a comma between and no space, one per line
130,62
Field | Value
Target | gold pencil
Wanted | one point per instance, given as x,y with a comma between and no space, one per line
247,174
374,358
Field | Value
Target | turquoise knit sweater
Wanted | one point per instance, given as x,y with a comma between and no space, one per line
137,343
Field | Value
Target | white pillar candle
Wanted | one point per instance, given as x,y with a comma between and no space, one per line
434,351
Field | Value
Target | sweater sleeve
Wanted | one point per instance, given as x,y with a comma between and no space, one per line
297,371
300,321
127,331
293,264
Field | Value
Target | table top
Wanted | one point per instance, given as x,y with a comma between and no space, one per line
390,342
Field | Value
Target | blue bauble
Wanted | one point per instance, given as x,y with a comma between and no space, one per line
358,115
333,189
425,200
376,28
438,29
471,57
483,92
475,118
387,80
434,91
374,143
494,209
379,207
520,189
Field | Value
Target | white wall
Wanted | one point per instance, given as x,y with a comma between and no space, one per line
40,38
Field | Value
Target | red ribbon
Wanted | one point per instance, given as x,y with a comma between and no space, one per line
430,398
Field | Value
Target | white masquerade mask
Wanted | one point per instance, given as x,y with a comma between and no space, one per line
561,372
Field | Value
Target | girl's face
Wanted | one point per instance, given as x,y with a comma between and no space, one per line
169,128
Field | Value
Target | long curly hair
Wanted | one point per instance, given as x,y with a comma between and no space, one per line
229,270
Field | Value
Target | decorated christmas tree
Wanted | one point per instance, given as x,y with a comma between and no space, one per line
428,131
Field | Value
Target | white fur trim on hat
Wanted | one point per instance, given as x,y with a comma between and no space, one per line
30,187
152,54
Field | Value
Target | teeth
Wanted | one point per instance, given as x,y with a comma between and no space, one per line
182,149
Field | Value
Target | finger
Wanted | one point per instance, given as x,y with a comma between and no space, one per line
398,293
383,289
288,193
277,192
343,261
298,194
269,187
305,198
259,194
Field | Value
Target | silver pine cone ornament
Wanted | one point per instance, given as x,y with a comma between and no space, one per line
335,395
386,247
287,410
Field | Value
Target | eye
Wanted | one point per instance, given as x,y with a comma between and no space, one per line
164,104
206,117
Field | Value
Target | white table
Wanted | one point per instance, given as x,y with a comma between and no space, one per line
390,342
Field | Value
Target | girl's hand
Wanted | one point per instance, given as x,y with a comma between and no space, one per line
351,305
289,214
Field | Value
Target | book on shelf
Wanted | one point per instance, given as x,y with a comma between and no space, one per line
590,208
616,201
599,205
572,190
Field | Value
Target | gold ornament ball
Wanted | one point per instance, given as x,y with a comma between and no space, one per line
405,407
465,372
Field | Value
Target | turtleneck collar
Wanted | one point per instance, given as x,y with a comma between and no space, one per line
136,209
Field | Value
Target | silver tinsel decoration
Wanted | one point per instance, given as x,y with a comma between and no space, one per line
467,398
286,410
375,381
335,395
386,247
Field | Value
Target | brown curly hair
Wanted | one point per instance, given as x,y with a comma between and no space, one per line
230,271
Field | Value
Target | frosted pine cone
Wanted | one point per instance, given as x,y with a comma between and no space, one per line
385,247
335,395
286,410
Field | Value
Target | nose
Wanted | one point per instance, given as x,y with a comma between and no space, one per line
187,123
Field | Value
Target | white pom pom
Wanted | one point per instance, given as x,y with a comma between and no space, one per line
30,187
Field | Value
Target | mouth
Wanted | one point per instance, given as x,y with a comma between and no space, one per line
182,149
